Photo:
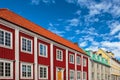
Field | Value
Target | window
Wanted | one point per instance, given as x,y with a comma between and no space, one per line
84,62
5,38
26,71
26,45
78,60
98,76
71,58
84,76
98,66
6,69
92,64
92,75
71,75
43,72
59,54
78,75
43,50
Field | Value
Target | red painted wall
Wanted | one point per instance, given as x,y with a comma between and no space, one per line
26,57
7,53
44,60
86,68
61,64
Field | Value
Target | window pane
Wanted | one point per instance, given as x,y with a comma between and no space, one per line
28,45
41,72
7,39
41,49
45,72
84,62
44,50
23,44
29,71
1,69
7,69
23,70
78,60
1,37
71,75
84,75
78,75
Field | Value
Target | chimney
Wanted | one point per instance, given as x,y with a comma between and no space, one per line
76,43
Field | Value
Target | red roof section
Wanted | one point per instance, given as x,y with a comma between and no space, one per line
19,20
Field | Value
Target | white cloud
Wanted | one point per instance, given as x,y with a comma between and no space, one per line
83,44
70,1
78,12
118,36
54,30
110,6
73,22
68,28
107,46
71,38
50,24
77,31
36,2
112,46
115,27
90,31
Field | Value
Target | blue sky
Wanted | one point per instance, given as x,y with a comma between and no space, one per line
92,23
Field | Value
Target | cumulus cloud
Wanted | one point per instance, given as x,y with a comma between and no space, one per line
115,27
71,38
83,44
58,32
118,36
77,31
110,6
78,12
36,2
73,22
112,46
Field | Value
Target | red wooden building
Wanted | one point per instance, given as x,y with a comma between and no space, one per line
30,52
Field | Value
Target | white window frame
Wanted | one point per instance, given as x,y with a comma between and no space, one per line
43,66
27,64
77,75
85,75
58,53
46,50
73,75
79,60
84,62
70,58
11,68
11,37
26,45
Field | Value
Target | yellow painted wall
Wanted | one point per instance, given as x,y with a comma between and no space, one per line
104,55
114,65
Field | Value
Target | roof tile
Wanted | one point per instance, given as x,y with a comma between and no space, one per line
19,20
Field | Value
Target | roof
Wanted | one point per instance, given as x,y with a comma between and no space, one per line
97,58
24,23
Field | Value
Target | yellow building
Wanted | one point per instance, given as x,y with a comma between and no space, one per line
115,65
104,54
115,69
